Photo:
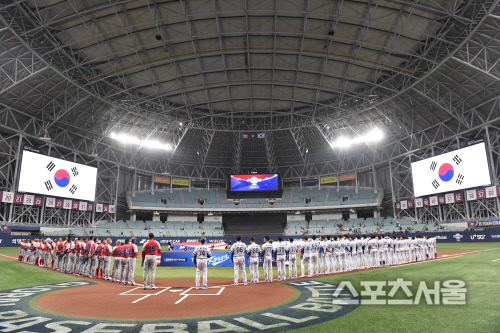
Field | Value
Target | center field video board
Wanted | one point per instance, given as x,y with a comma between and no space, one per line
254,183
457,170
42,174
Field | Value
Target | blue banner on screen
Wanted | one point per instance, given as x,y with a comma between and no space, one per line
255,182
220,259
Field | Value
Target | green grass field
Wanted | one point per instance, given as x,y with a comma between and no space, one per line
480,313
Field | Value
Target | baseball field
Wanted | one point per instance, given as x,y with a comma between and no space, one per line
466,275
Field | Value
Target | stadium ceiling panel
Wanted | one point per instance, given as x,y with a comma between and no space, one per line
194,73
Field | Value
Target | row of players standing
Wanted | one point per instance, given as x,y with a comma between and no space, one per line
83,257
324,256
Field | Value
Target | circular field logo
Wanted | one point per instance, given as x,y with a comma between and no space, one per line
314,303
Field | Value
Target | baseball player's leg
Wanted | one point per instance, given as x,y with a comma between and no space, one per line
107,261
268,270
123,270
243,271
144,273
127,272
302,266
314,263
236,268
131,269
198,272
278,264
153,271
205,273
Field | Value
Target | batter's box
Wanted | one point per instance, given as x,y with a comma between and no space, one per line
129,293
206,292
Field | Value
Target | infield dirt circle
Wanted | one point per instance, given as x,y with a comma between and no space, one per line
115,301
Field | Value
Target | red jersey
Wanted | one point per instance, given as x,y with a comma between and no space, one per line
105,250
45,247
99,250
151,247
59,246
119,252
128,250
77,247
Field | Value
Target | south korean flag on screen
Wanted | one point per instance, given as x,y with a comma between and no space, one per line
457,170
51,176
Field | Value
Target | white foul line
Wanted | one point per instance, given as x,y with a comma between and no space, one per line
496,260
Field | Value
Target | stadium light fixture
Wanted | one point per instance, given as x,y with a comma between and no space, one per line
374,135
129,139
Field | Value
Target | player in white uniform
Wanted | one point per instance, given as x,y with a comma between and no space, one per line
314,255
364,251
253,251
348,254
390,254
266,256
433,248
328,251
280,253
291,254
357,253
373,248
305,257
342,258
238,251
322,256
383,250
336,263
406,249
201,254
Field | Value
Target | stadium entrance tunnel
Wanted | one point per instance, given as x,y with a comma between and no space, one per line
269,307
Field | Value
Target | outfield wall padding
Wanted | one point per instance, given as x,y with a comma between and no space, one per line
493,235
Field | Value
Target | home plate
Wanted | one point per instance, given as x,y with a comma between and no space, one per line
202,292
175,290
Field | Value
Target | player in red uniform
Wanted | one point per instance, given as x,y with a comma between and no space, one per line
107,251
98,252
132,253
117,261
149,252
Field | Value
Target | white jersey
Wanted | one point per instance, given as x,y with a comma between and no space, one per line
202,252
292,249
253,251
267,249
306,249
328,246
315,245
238,249
373,244
337,246
348,245
384,244
356,245
280,249
364,244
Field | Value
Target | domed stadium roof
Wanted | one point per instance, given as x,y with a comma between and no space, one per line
198,75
